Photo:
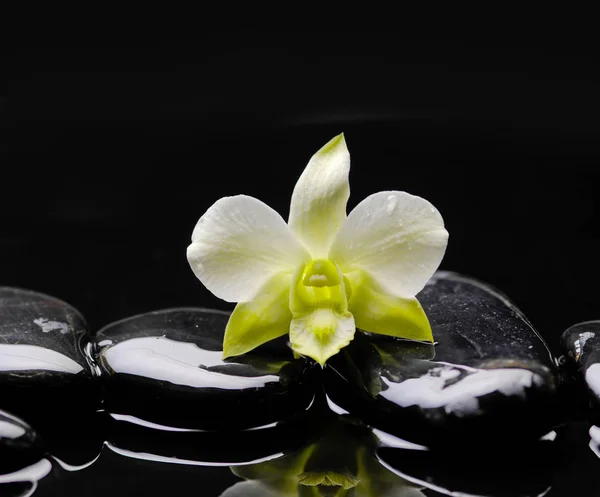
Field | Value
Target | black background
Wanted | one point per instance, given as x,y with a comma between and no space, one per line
111,154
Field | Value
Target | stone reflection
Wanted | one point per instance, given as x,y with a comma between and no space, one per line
22,457
340,463
492,472
135,438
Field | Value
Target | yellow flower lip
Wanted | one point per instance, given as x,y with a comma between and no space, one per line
321,273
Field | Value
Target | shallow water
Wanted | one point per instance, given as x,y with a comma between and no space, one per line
137,458
172,416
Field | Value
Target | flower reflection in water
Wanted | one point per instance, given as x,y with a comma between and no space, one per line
341,463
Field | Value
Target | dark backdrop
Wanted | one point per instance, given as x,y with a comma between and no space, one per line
111,154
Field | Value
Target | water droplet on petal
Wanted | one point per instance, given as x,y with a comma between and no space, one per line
391,204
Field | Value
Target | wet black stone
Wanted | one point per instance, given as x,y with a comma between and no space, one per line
581,348
20,446
580,362
489,377
166,367
41,357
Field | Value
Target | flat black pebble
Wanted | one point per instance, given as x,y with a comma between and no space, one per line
490,376
581,346
41,356
166,367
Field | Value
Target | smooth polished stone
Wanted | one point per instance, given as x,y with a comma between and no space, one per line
41,357
581,348
166,367
39,335
489,375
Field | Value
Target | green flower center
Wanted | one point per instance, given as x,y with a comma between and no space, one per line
320,273
320,285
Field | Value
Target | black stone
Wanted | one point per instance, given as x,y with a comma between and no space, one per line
20,446
41,356
490,376
581,348
166,367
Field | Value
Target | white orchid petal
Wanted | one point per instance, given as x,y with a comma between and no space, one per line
397,238
238,244
318,207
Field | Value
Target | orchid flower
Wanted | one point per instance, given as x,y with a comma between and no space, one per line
323,274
